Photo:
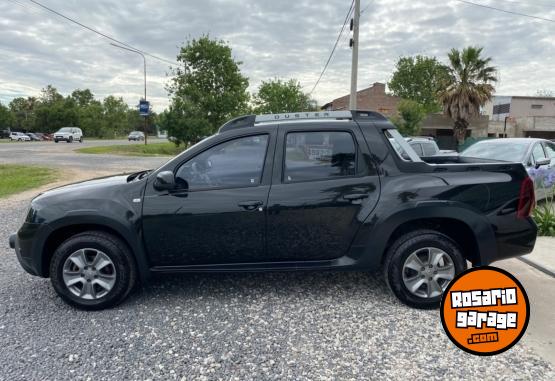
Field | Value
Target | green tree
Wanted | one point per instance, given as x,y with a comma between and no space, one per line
468,87
419,79
19,109
7,119
50,95
276,96
82,97
115,116
91,118
206,91
410,117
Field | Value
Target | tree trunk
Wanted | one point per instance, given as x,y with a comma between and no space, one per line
459,130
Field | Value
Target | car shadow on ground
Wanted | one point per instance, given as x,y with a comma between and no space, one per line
176,288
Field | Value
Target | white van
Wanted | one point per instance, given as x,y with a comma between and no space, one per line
69,134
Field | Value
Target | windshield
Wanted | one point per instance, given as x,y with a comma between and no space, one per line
65,129
495,150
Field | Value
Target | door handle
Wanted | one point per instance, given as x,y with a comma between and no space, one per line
250,205
355,196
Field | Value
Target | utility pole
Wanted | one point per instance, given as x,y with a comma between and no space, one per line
144,66
354,65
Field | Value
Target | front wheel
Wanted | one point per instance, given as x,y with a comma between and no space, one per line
93,270
70,140
420,265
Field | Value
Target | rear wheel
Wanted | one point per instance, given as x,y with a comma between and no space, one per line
93,270
420,265
81,139
55,140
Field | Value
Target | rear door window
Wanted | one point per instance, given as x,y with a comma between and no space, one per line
429,149
417,147
319,156
537,153
550,148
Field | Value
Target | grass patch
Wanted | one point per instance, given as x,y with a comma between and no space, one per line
154,149
18,178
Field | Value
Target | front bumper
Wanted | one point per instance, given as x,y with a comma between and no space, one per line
28,245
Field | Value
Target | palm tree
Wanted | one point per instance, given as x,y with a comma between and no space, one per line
468,87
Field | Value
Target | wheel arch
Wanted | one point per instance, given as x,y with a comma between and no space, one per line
62,230
470,230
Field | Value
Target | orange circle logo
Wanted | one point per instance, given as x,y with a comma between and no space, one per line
485,311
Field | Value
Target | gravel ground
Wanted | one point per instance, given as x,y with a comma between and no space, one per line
245,327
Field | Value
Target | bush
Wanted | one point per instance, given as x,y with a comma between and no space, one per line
544,214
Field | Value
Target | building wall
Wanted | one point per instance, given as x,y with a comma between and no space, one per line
523,107
372,98
531,126
441,127
520,107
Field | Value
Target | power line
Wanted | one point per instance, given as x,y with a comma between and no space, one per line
334,47
100,33
506,11
530,4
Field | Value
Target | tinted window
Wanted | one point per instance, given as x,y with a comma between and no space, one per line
236,163
319,155
538,153
550,149
429,149
495,150
417,148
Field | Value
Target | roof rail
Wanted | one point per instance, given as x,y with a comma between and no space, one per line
252,120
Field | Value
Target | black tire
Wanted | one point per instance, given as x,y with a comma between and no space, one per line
70,139
81,139
402,248
115,249
55,141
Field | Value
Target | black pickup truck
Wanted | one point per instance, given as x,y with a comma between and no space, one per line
305,191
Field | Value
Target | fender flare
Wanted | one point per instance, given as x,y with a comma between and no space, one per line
130,237
375,240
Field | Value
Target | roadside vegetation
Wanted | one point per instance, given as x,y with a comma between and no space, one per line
19,178
544,213
151,149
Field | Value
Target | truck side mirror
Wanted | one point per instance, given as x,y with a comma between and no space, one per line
165,180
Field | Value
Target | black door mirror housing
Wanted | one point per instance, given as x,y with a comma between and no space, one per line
165,180
542,162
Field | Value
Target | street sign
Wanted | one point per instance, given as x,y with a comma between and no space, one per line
144,107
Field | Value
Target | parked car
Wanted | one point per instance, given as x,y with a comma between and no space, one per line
44,136
19,136
531,152
68,134
318,191
427,146
136,135
33,136
5,134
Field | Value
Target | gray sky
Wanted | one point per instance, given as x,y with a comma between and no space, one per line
285,39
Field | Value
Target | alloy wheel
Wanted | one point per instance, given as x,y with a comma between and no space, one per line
89,274
427,272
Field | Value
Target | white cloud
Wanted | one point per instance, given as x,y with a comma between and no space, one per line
287,39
